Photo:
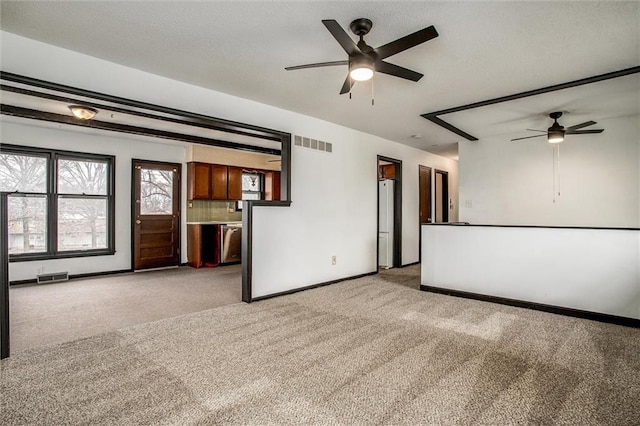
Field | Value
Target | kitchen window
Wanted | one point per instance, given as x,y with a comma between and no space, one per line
60,204
252,187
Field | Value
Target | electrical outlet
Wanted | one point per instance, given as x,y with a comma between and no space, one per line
333,260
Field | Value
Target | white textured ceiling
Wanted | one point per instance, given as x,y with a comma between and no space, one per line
485,50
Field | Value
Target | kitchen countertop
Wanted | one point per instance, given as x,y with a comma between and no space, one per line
217,222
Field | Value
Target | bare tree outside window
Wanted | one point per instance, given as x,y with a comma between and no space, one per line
25,174
82,214
70,193
156,187
82,177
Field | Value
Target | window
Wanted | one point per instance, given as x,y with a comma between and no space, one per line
252,187
60,203
156,191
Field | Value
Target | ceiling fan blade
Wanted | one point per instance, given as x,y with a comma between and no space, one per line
534,130
346,87
406,42
583,132
397,71
341,36
317,65
527,137
581,125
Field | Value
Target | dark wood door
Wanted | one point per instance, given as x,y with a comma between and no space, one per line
425,194
218,182
199,186
156,214
234,181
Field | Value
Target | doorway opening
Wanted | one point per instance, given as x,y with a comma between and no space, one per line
442,196
424,205
160,121
389,245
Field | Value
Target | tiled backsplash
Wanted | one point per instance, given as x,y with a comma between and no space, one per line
204,211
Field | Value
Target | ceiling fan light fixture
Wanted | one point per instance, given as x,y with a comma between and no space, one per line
83,112
361,69
555,135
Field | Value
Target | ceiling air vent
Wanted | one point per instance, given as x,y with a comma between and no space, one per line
52,278
303,142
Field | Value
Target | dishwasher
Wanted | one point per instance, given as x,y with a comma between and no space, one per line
230,243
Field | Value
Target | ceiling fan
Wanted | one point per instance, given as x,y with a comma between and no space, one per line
556,133
364,60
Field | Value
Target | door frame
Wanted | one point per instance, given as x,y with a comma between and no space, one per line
444,195
430,201
178,166
397,212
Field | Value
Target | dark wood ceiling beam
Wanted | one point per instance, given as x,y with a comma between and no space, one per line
113,108
190,117
433,116
454,129
16,111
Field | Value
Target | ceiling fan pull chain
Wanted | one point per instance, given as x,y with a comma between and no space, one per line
554,172
372,101
558,147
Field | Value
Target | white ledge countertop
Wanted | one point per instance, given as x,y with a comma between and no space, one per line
217,222
480,225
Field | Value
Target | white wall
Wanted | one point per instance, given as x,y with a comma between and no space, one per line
588,269
334,195
512,182
334,210
27,133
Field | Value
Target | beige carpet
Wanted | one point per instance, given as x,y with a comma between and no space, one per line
366,351
60,312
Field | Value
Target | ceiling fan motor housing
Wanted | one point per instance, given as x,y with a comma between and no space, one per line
361,26
361,61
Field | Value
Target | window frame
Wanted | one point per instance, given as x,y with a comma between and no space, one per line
260,179
52,196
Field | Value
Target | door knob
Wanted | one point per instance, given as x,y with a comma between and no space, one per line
138,222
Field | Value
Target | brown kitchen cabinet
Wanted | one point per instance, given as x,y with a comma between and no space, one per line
208,181
202,245
272,186
219,181
198,181
194,246
234,183
387,171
